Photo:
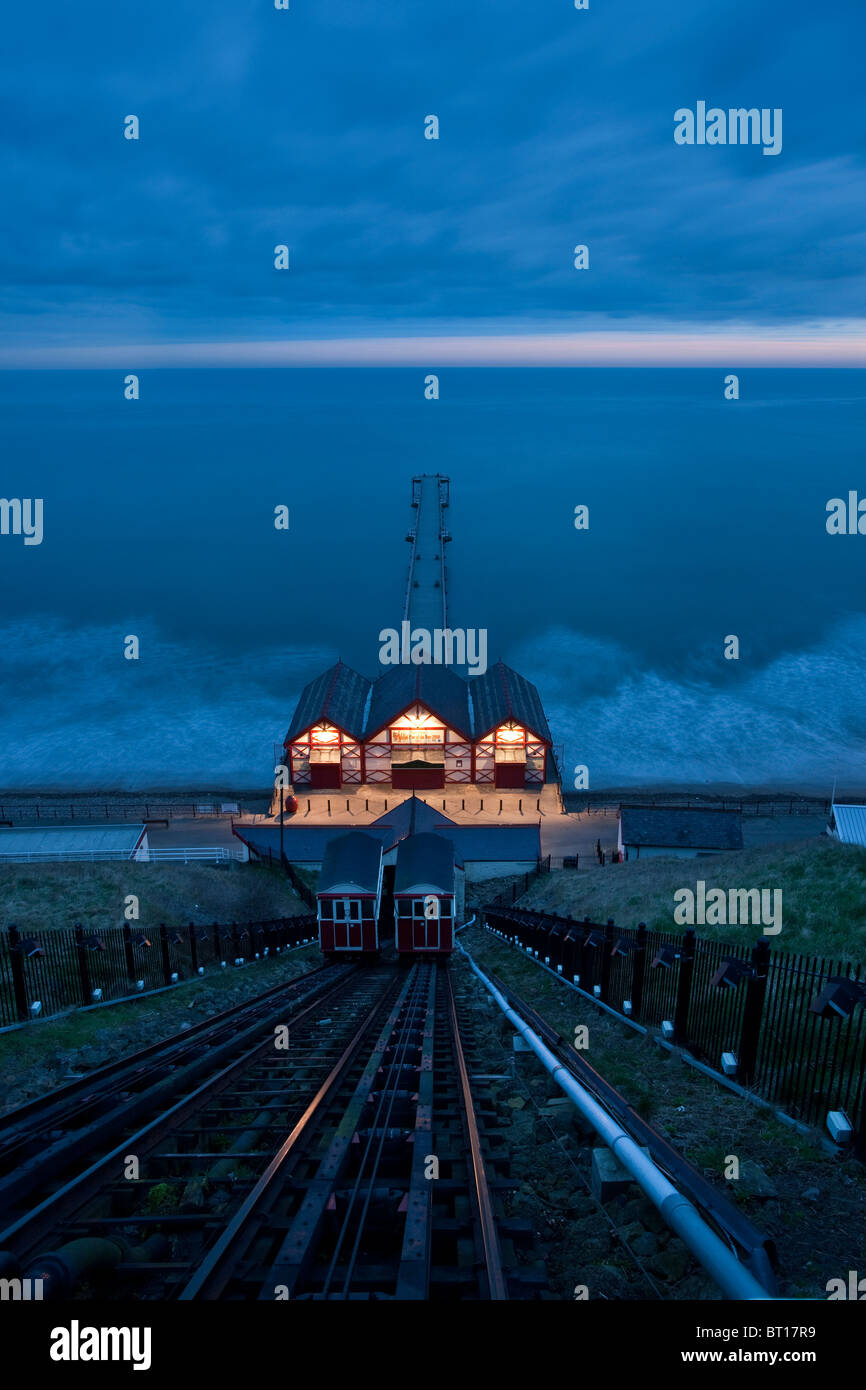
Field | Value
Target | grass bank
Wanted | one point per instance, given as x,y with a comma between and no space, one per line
823,886
35,896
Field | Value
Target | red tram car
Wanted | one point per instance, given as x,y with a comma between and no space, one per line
349,895
424,895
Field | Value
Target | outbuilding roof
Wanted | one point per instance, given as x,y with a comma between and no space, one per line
850,823
677,827
410,817
351,861
338,695
425,861
25,842
489,843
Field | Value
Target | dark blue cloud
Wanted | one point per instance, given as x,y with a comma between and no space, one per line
305,127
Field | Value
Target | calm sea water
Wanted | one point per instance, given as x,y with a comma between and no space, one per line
706,518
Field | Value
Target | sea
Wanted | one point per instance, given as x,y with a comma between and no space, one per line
706,522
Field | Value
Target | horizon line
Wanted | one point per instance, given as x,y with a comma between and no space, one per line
813,345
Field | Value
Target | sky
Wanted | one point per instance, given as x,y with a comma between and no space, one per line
305,127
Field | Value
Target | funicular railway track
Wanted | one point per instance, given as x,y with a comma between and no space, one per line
55,1120
389,1191
208,1126
354,1163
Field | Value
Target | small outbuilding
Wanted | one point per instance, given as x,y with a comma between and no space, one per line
39,844
349,894
677,832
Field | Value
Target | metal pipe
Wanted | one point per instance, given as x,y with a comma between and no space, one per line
681,1052
679,1213
61,1270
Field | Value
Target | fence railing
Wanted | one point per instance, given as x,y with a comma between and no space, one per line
484,801
89,809
796,1025
214,854
50,970
759,806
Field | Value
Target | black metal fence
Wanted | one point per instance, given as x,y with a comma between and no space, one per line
59,967
87,809
747,806
795,1025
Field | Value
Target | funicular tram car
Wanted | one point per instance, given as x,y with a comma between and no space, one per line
349,896
425,895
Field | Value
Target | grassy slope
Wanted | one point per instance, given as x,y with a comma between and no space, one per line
823,888
54,895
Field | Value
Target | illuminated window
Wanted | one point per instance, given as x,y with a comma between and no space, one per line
324,735
510,734
417,734
510,744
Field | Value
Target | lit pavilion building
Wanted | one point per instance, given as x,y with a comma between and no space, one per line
420,727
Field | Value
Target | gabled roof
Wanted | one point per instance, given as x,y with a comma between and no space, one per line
425,861
667,827
338,695
438,688
351,861
850,822
411,817
502,694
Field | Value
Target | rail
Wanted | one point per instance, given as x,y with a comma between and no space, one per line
735,1280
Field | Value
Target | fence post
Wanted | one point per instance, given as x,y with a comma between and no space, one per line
166,963
756,989
127,952
860,1135
16,964
193,949
684,987
217,952
236,946
637,974
83,965
584,956
606,959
